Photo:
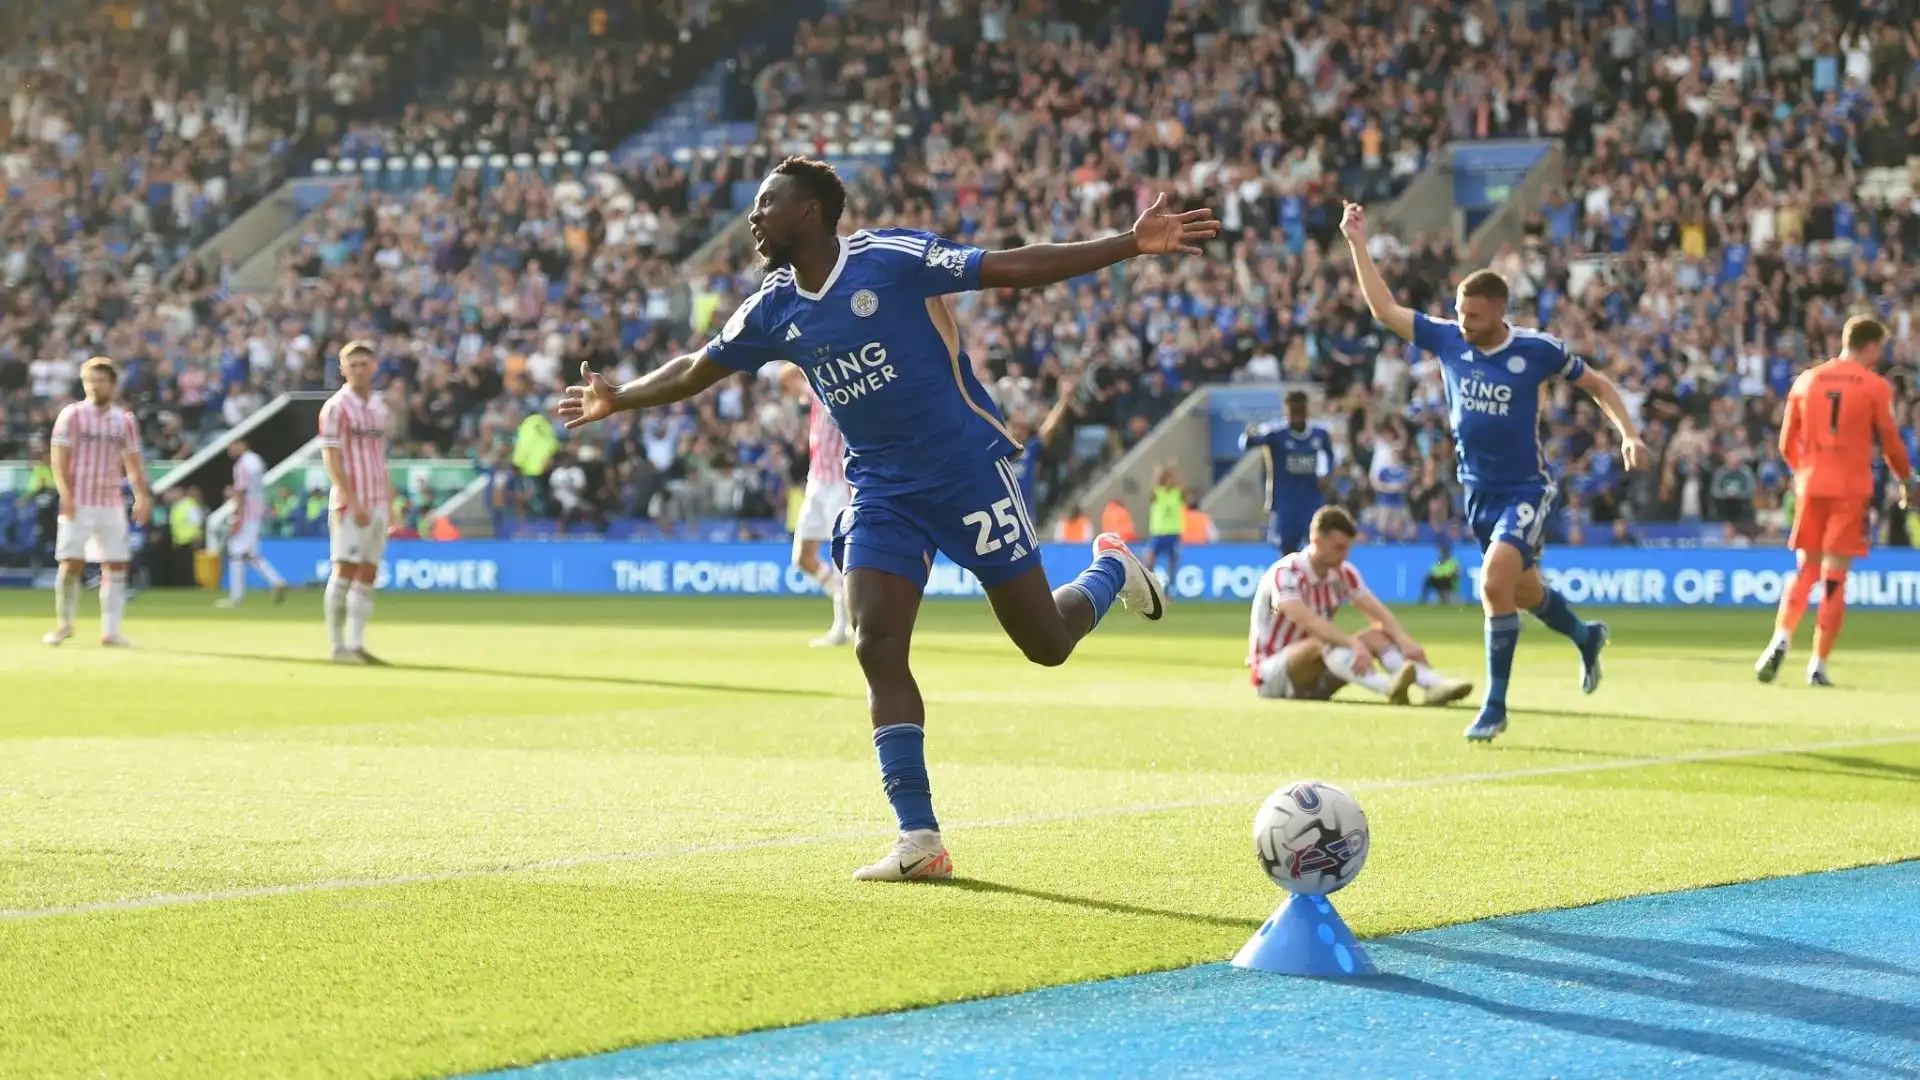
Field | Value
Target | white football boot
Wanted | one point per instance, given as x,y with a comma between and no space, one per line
916,856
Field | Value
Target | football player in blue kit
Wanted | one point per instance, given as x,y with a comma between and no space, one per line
932,465
1494,372
1299,457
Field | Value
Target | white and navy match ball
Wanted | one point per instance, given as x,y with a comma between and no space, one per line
1311,838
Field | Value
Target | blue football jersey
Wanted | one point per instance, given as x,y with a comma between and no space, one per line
881,348
1296,460
1493,400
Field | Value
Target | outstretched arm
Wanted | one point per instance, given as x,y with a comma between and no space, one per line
1389,312
676,380
1608,397
1158,232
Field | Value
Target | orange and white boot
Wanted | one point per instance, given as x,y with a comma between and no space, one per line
916,856
1142,593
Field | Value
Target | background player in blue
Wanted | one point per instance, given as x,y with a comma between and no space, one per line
1299,457
928,457
1494,372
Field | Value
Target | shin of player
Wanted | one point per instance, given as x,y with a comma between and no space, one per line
932,464
1295,650
825,499
95,445
1494,373
249,513
353,446
1834,413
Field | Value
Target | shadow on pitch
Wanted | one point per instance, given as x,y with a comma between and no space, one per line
538,676
1112,907
1763,1053
1856,764
1730,978
1522,713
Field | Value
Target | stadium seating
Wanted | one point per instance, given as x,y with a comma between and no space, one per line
1728,198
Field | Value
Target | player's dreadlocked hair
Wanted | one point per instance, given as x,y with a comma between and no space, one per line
820,182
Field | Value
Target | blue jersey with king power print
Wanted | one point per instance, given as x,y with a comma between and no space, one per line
1296,462
1493,400
880,347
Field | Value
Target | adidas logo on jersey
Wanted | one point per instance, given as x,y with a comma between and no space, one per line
793,332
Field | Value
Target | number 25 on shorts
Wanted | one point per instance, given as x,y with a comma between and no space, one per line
985,543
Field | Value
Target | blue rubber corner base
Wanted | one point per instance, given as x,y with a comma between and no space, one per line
1305,937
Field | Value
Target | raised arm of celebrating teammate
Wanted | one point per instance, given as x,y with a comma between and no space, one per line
1387,311
1158,232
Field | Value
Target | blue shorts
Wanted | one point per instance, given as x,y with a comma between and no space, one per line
979,520
1516,516
1164,547
1288,532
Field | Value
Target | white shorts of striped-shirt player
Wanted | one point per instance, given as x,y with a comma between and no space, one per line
350,542
245,540
97,534
820,508
1273,680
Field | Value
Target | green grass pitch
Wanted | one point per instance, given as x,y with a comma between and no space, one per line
568,826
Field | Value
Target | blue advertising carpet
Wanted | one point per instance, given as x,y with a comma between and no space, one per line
1806,976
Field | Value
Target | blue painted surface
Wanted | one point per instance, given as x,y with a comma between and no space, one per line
1810,976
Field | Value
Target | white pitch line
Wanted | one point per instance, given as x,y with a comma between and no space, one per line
139,903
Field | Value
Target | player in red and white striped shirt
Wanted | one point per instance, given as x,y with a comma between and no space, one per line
826,497
353,445
249,494
1296,651
95,446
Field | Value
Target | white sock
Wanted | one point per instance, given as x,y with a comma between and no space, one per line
236,580
259,562
336,605
1816,666
113,601
66,597
359,610
1423,676
833,584
1339,660
1781,640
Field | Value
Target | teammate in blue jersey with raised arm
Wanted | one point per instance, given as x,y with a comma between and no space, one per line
932,465
1494,371
1299,457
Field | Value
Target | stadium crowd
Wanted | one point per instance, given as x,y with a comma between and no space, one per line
1706,243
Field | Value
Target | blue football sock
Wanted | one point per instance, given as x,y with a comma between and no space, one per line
1559,617
1503,635
1101,582
903,773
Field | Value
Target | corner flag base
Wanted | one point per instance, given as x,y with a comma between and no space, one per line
1305,937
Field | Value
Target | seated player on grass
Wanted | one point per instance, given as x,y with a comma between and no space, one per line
1296,651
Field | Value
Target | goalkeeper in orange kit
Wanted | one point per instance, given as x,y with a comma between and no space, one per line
1835,411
